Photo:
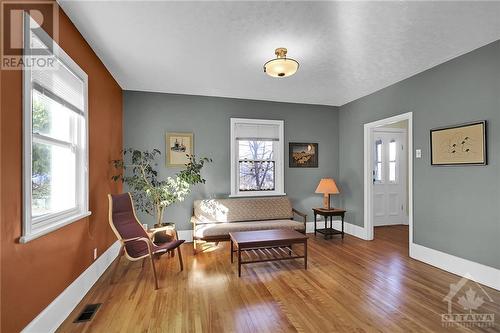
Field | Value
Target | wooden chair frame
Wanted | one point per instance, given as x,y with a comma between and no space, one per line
149,243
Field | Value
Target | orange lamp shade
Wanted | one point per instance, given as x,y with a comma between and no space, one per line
327,186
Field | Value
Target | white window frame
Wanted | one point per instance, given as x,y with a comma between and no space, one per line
54,221
279,176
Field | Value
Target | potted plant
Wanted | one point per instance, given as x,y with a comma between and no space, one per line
152,195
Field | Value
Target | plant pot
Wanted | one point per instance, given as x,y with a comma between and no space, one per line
165,224
162,236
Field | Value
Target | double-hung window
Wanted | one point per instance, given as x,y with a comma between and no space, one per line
55,153
256,157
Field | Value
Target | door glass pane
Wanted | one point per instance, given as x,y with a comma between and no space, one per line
392,171
392,150
378,172
53,179
378,149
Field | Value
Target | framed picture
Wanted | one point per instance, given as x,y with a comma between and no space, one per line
459,145
179,145
303,155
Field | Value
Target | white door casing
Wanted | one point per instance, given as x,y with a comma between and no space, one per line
368,176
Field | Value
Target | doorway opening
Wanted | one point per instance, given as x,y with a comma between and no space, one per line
388,175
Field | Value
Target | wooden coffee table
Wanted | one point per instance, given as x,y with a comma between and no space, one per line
266,245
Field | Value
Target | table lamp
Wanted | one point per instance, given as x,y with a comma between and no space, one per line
327,186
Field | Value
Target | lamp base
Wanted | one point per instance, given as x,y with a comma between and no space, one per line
326,201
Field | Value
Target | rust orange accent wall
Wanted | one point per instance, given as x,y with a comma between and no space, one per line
34,274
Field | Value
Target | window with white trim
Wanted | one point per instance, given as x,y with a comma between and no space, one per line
55,157
257,157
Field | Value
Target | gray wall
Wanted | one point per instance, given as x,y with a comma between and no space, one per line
456,209
148,116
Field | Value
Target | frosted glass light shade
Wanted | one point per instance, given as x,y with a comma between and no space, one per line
281,67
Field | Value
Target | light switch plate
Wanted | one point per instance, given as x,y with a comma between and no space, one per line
418,153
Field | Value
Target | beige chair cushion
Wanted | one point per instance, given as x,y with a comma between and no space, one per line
223,229
242,209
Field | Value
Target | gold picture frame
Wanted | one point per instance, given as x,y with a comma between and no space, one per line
177,146
463,144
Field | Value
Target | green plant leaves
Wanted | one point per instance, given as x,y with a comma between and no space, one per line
137,169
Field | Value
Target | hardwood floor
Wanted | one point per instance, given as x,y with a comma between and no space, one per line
350,286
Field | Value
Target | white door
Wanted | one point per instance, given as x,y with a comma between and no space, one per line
389,177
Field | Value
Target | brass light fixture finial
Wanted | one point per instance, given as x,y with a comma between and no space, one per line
281,52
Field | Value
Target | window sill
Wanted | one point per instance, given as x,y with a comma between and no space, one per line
249,195
53,226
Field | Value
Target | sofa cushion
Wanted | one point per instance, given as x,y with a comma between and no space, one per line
242,209
223,229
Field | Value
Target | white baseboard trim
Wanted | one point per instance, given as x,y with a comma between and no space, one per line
186,235
351,229
60,308
480,273
389,224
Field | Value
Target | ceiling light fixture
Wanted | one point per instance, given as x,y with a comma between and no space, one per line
281,66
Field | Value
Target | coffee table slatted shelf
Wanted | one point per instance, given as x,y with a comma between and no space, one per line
268,254
267,245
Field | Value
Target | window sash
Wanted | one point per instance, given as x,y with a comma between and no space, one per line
257,162
70,183
238,177
48,140
72,145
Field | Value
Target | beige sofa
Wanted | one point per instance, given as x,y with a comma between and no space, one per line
214,219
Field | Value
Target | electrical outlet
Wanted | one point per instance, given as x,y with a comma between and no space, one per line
418,153
95,253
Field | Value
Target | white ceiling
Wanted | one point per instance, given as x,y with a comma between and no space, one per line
346,50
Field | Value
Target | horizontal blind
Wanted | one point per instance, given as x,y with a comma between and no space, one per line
256,132
59,81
